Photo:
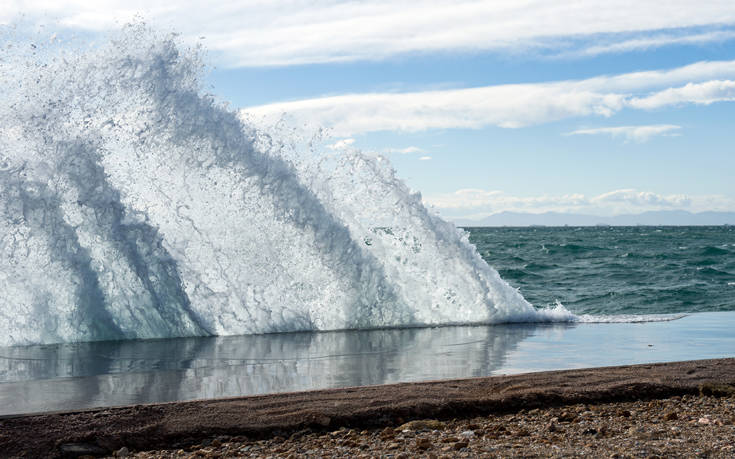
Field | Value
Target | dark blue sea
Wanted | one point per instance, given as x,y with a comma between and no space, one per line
616,270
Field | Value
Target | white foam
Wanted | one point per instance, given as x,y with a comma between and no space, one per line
133,205
628,318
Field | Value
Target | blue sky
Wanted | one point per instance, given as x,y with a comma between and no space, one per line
591,107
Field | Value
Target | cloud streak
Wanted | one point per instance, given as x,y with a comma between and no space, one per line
404,151
630,133
705,93
651,41
293,32
478,203
509,106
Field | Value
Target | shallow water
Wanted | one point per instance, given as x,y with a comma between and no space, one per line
76,376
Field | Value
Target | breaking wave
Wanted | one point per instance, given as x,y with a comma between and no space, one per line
135,205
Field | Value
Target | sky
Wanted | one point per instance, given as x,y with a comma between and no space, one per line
600,108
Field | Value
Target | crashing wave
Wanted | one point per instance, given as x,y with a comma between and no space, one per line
134,205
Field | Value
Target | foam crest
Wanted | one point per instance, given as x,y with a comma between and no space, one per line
133,205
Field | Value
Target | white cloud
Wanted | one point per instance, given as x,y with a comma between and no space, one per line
341,144
288,32
641,198
630,133
404,151
425,158
651,41
474,203
694,93
505,106
509,106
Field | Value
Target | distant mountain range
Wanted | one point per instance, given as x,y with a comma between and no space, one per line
654,218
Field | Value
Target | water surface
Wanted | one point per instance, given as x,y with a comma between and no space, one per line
75,376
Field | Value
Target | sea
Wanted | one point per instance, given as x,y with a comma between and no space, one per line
155,246
616,270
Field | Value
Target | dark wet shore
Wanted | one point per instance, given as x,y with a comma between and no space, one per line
264,424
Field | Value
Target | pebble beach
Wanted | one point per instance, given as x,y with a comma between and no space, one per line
688,426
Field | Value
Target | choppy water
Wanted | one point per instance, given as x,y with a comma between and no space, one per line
616,270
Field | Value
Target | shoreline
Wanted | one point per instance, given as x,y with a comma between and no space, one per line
182,424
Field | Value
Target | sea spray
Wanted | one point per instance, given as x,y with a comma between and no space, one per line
134,205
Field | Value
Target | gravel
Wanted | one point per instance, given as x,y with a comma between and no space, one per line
687,426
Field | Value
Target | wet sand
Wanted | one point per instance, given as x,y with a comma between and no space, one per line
181,428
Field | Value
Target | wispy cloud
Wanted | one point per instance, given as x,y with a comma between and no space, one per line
648,41
425,158
630,133
693,93
475,203
641,198
508,106
404,151
291,32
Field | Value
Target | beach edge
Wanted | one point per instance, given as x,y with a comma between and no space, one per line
164,425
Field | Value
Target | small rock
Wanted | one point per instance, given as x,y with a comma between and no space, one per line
430,424
122,452
423,443
567,416
497,428
624,413
467,434
704,421
338,433
387,433
393,445
671,416
459,445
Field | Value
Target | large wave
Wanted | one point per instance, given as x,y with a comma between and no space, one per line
134,205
